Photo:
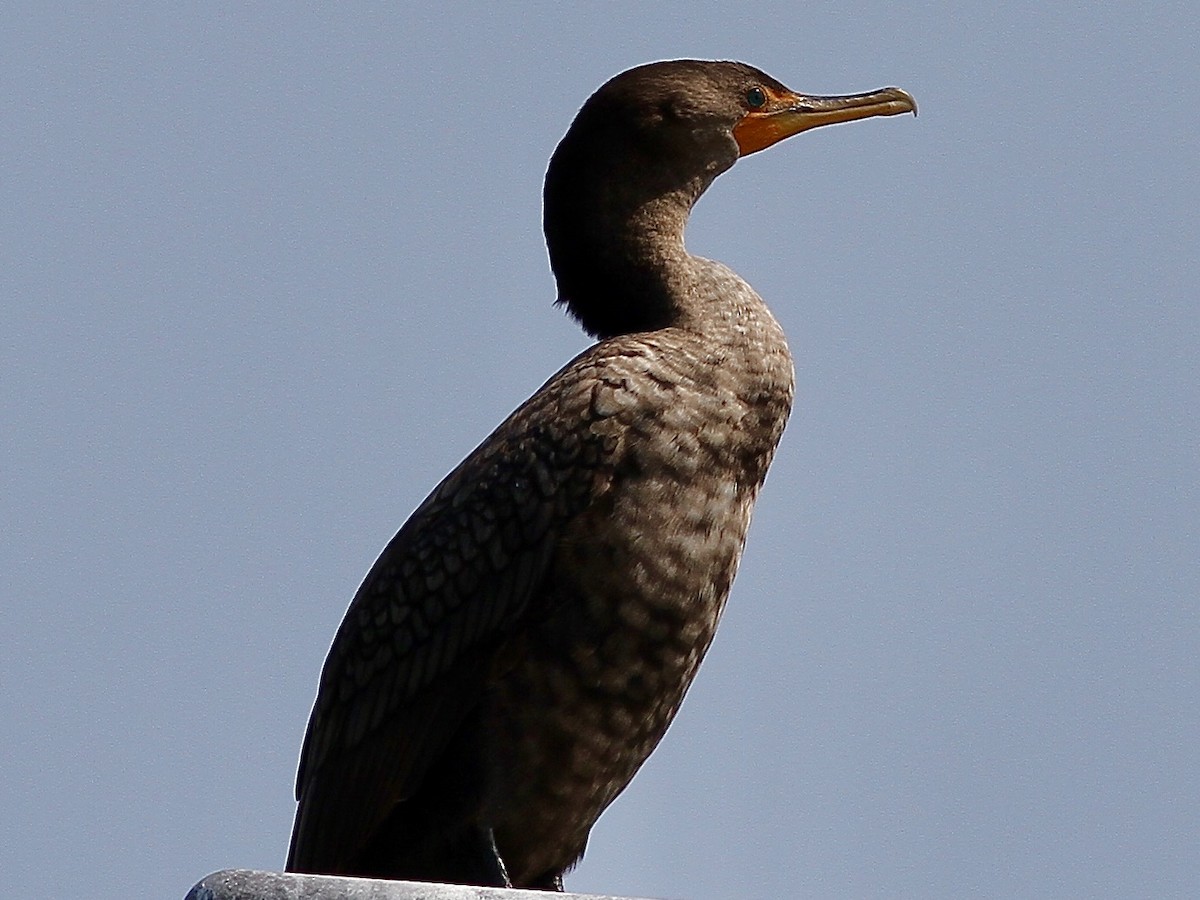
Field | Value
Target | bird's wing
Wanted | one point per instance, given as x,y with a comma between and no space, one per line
411,654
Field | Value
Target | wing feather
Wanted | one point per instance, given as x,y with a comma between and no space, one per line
414,648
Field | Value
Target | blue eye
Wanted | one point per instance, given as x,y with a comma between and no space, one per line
756,97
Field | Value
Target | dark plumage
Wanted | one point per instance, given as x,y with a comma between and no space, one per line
521,645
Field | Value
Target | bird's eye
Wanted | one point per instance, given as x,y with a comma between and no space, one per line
756,97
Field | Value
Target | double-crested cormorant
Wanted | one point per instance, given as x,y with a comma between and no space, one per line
521,645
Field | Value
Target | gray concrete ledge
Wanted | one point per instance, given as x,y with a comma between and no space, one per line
247,884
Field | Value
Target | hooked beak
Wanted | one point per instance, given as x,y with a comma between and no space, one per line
790,113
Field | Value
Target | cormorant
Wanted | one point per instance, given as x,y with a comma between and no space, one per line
523,642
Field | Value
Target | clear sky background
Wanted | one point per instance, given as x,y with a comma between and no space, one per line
267,272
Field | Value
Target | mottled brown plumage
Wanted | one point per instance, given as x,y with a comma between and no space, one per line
523,642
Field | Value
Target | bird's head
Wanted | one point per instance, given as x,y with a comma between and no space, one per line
686,119
641,151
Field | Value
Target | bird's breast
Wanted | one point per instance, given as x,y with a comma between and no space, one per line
638,581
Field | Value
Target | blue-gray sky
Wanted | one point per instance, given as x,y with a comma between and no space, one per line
268,272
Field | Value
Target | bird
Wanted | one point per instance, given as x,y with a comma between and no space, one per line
521,645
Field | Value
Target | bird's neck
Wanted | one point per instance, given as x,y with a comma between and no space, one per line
616,247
